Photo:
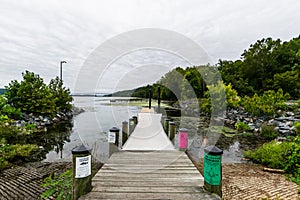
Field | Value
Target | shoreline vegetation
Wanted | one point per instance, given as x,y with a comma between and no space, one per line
27,108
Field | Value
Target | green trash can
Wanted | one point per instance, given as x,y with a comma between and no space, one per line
213,170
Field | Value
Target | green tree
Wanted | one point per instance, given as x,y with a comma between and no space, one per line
61,95
31,95
289,81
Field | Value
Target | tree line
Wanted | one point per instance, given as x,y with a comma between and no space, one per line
267,65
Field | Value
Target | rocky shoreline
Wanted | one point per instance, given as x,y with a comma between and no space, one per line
42,122
283,121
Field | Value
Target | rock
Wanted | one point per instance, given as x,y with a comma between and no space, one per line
289,123
290,113
37,119
55,119
280,139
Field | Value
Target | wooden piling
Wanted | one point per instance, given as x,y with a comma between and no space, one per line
124,132
172,130
82,171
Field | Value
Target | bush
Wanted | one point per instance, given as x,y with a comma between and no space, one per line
272,154
11,153
223,95
268,132
242,127
266,104
59,186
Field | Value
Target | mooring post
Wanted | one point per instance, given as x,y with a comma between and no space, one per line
113,140
124,132
135,119
182,139
213,170
82,171
166,125
158,99
131,125
172,131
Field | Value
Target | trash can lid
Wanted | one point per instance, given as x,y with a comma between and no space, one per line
213,150
114,129
80,150
183,130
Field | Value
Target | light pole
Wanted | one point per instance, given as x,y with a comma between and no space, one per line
61,62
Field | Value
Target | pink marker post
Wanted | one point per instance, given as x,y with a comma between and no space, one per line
183,139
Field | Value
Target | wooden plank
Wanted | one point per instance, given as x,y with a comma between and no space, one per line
151,183
148,189
161,171
130,196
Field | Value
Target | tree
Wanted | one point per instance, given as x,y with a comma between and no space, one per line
61,95
289,82
259,63
31,95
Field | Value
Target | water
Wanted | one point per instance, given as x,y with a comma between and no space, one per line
91,128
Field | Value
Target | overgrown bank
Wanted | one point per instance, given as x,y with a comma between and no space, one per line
27,108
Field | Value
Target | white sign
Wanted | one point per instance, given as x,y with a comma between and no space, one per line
83,167
111,137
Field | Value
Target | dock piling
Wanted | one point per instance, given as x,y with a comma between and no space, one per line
113,140
172,130
82,171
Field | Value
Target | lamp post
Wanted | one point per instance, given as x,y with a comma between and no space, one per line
61,62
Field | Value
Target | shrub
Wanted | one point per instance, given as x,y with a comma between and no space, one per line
265,104
9,153
242,127
272,154
268,132
59,186
222,95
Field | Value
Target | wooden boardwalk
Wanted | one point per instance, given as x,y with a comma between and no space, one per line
149,167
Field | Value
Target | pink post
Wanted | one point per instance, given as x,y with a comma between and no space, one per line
183,139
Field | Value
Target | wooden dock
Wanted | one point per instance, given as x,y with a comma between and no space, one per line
154,170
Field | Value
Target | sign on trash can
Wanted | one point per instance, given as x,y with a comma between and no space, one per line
83,167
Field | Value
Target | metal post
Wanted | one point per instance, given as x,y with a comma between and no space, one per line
82,171
158,99
213,170
61,62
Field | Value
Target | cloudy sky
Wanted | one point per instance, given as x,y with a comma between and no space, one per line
36,35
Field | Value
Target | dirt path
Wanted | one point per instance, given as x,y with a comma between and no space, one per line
249,181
